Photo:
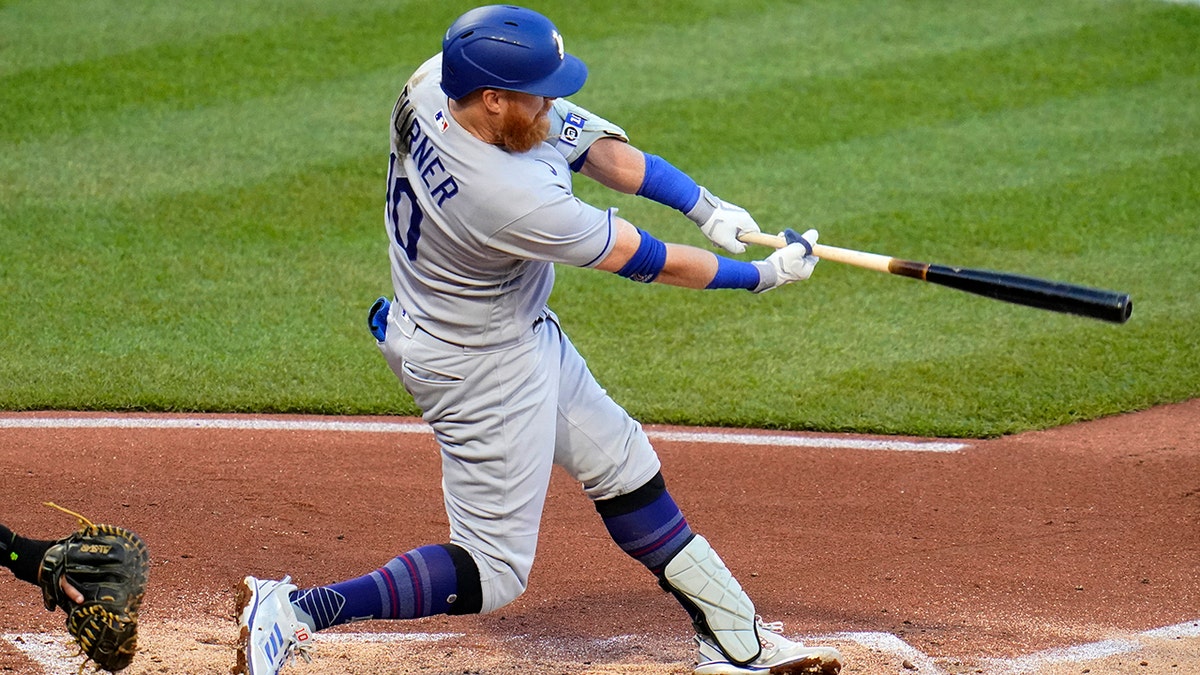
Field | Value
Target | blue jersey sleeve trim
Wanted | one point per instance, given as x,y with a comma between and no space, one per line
668,185
647,261
578,163
608,243
734,274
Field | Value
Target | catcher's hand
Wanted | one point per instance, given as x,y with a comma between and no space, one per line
108,566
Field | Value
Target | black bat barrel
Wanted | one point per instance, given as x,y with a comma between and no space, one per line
1032,292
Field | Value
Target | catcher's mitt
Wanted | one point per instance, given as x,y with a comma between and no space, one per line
109,565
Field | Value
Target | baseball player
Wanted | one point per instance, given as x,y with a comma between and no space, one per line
479,209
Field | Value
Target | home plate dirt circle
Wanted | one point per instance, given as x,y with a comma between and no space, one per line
1062,551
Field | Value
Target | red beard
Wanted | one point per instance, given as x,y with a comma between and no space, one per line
517,134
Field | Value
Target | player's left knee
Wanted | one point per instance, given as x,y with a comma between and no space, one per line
500,581
469,590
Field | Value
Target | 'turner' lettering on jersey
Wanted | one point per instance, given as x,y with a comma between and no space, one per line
440,182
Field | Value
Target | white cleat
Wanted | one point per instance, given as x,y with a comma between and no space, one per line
779,656
269,635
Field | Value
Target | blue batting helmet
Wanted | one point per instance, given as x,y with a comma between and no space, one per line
511,48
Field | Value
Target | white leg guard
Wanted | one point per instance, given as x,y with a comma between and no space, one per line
698,576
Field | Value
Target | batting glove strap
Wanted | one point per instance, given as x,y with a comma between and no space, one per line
722,222
768,278
705,207
794,262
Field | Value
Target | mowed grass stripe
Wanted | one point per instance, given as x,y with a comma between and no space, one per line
184,71
933,89
773,49
223,253
147,154
53,33
1062,139
1110,220
289,125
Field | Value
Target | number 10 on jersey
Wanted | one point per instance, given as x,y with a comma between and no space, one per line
403,210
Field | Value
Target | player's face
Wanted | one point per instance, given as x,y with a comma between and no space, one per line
523,121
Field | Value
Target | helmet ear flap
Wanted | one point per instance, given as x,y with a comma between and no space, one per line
509,48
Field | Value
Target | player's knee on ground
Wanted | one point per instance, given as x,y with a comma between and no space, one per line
501,581
470,591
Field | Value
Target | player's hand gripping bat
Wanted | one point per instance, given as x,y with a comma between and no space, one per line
1055,296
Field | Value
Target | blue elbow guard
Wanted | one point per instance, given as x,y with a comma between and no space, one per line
647,261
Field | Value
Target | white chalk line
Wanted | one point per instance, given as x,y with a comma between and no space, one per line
886,643
51,652
353,426
1029,663
57,657
829,442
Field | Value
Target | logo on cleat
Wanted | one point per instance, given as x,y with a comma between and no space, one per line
271,648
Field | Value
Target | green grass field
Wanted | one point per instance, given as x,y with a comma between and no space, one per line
190,205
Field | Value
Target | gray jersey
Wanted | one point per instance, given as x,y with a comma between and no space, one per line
475,229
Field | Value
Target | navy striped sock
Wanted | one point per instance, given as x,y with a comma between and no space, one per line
646,524
422,582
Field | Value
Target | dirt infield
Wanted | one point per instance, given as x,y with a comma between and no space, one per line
1064,551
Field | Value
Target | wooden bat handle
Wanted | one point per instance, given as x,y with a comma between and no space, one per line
846,256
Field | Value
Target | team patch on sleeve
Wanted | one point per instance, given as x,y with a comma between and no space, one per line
572,128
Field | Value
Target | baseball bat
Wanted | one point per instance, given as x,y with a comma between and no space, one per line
1055,296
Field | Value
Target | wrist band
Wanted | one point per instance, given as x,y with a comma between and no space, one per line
735,274
668,185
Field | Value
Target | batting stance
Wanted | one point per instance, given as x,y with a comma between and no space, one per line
479,209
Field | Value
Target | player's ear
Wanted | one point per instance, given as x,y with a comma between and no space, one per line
492,100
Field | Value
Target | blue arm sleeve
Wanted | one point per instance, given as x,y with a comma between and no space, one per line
668,185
